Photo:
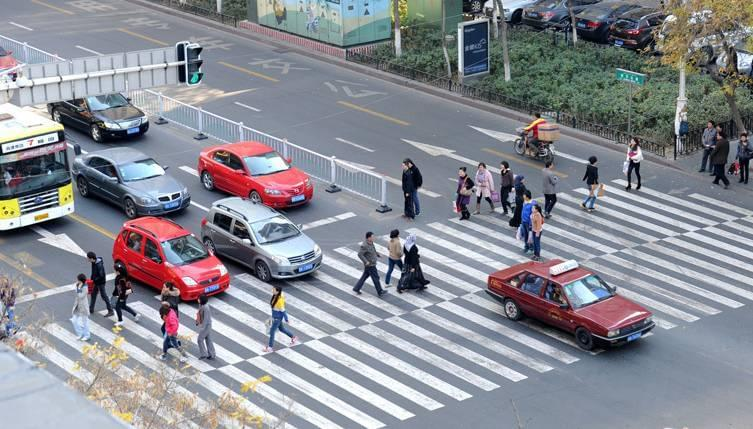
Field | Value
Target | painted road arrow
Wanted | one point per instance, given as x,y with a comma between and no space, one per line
448,153
61,241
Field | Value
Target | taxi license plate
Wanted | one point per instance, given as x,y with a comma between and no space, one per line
42,216
172,205
634,337
298,198
304,268
618,42
133,130
211,288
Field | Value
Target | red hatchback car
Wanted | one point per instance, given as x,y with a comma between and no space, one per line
570,298
156,250
255,171
7,62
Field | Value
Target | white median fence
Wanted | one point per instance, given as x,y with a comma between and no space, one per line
338,174
24,53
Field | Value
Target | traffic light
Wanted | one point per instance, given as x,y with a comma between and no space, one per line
190,73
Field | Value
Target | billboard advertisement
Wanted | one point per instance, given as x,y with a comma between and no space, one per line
473,48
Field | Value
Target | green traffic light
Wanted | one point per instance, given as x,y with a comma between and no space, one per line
195,78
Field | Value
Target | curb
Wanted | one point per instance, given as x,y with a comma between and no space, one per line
336,59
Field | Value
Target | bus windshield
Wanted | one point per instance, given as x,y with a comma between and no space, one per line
24,172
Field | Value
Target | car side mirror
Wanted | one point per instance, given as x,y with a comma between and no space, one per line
240,171
247,241
289,160
300,226
564,306
112,179
128,99
165,167
77,149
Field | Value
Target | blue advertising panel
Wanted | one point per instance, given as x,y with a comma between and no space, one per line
473,48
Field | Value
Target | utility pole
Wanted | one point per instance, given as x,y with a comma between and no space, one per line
682,104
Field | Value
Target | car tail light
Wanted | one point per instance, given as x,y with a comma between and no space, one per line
592,24
547,15
203,221
633,32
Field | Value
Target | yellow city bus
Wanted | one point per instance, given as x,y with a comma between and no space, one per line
35,176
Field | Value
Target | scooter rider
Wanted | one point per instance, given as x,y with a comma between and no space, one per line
534,141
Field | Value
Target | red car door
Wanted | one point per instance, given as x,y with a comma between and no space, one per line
220,171
531,288
554,314
239,177
153,264
133,254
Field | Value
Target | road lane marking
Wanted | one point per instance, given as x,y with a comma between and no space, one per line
328,220
520,160
91,51
189,170
20,26
249,72
246,106
341,140
141,36
61,10
53,291
93,226
373,113
28,272
199,206
570,157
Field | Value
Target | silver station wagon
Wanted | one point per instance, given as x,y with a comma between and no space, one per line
259,237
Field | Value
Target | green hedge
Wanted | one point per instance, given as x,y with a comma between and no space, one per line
580,80
236,8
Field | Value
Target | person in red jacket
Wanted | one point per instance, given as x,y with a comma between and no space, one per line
171,331
534,126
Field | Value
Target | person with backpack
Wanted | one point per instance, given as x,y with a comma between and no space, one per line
525,221
464,192
278,320
122,290
204,324
80,312
99,278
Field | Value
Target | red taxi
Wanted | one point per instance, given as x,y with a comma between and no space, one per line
255,171
570,298
157,250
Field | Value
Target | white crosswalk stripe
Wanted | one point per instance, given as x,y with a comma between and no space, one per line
718,204
657,204
348,288
681,202
713,254
472,240
452,247
586,229
316,292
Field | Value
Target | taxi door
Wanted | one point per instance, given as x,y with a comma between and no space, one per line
554,314
529,298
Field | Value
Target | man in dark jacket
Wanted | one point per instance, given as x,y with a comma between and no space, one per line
409,189
418,182
719,157
368,255
99,279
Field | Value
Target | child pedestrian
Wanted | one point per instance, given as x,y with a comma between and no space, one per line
279,318
537,226
80,312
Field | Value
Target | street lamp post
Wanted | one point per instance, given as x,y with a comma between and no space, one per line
682,104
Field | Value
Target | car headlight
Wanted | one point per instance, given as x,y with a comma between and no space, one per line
307,182
317,250
222,269
648,320
272,192
111,125
147,200
280,260
613,333
144,119
185,191
188,281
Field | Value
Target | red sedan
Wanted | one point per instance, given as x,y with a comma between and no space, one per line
255,171
570,298
7,62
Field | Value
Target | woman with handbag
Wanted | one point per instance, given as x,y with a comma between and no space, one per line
413,276
122,290
278,320
592,180
464,191
634,158
484,187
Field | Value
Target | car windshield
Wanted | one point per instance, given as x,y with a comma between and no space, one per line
266,163
104,102
184,250
27,171
275,229
140,170
587,290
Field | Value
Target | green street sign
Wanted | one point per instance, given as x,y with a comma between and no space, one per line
631,77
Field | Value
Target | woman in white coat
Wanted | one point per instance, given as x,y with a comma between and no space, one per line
634,158
80,312
484,186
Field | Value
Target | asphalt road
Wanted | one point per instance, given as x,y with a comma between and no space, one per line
680,246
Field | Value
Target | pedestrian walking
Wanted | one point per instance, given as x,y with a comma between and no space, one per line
99,278
368,255
634,158
408,188
592,180
484,187
80,312
170,338
520,190
8,306
719,157
122,290
413,276
709,140
506,183
418,182
551,181
744,154
278,320
525,221
395,257
537,227
204,326
464,192
171,295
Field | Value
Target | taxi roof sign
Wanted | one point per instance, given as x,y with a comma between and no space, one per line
564,267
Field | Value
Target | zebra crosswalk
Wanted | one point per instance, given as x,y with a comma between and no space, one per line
365,361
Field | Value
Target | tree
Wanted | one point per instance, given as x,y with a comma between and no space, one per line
572,21
498,6
699,31
396,20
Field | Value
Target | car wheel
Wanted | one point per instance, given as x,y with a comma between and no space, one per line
96,133
130,208
56,116
83,187
584,339
517,17
207,180
476,6
262,271
512,311
255,197
209,244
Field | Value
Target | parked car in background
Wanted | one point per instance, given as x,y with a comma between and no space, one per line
130,179
7,62
473,6
744,59
255,171
103,116
157,250
513,12
593,22
546,13
260,238
635,29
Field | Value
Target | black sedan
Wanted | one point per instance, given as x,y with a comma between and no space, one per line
103,116
635,29
547,13
130,179
594,21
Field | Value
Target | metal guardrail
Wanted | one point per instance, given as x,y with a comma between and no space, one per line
338,174
25,53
